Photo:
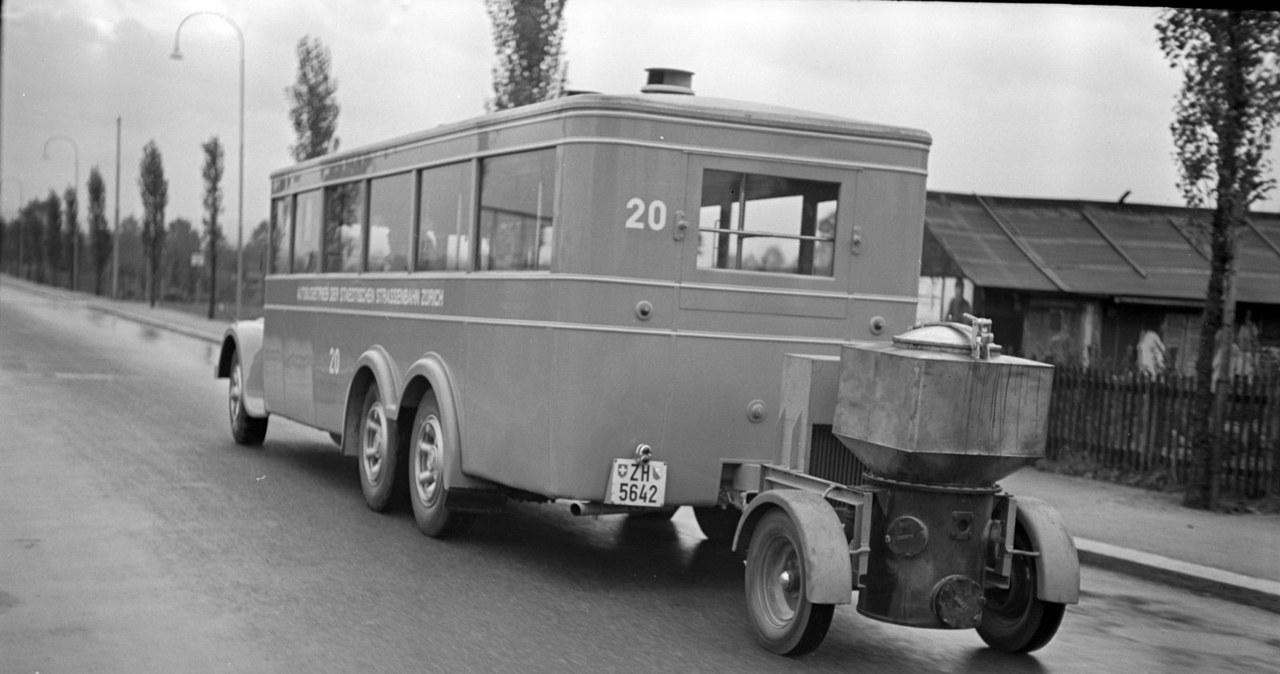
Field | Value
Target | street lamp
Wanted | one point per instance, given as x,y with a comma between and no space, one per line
75,188
21,234
177,56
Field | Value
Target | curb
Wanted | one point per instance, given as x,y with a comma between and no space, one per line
1234,587
157,323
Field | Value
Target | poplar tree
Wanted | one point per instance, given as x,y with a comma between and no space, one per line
527,35
51,262
314,112
1225,114
99,235
212,174
155,196
71,208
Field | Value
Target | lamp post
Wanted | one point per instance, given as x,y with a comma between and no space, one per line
177,56
75,188
21,234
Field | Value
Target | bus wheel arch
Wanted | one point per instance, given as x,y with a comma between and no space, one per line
434,448
370,429
373,368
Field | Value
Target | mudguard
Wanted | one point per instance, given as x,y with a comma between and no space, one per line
385,374
822,541
431,373
245,338
1058,565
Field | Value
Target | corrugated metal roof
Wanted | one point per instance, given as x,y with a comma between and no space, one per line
1097,248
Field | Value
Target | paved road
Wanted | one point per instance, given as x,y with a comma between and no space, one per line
135,536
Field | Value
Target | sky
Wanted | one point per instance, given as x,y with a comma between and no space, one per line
1023,100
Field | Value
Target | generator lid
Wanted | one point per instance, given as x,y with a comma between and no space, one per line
974,340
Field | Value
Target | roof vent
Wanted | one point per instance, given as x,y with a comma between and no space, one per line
668,81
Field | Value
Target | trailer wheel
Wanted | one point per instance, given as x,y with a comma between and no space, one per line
379,454
1015,620
245,430
785,621
429,452
719,525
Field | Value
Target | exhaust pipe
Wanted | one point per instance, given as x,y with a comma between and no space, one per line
579,509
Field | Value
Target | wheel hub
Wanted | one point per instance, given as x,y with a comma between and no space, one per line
426,460
373,442
234,393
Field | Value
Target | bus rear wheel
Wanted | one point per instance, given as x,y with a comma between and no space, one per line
430,450
379,455
245,430
718,524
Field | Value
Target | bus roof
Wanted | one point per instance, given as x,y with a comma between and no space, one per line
672,106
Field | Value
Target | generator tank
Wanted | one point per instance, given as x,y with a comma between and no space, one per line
940,405
937,416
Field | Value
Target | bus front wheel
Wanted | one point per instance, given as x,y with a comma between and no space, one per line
430,451
246,430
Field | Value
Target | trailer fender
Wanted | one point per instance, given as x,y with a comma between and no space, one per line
431,373
245,338
1058,564
826,552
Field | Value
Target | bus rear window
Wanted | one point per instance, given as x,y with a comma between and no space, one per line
516,219
761,223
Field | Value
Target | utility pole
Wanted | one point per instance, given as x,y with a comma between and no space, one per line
115,240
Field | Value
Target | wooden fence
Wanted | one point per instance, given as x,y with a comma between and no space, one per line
1142,425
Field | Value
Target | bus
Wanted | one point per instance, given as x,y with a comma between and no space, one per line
586,300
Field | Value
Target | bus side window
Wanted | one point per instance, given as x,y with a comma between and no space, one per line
445,221
306,233
281,223
762,223
343,227
390,222
517,193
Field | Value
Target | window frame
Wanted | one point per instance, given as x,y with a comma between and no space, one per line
842,255
551,199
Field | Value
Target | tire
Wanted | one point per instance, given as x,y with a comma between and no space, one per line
246,430
785,622
430,449
719,525
1015,620
378,451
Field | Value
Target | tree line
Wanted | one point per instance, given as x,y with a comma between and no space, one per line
177,260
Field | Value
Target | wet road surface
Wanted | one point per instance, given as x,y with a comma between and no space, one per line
136,536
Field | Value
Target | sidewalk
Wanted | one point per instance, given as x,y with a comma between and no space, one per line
1125,529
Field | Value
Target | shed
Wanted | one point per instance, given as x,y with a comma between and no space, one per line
1074,281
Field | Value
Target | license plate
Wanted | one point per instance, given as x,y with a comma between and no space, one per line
637,483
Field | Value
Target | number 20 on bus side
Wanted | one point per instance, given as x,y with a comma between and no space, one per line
637,483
